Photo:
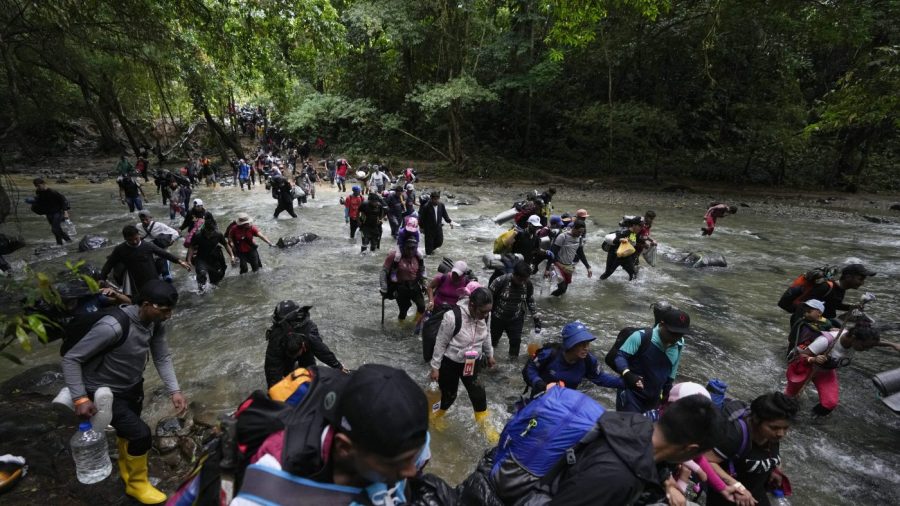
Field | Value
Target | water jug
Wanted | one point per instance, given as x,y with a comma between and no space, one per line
91,454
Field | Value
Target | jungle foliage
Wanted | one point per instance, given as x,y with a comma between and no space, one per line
787,92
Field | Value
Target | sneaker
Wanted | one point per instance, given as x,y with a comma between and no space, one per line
103,401
64,399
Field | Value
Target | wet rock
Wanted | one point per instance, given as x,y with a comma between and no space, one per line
875,219
677,188
290,241
175,426
45,379
8,244
165,444
895,207
92,242
744,204
463,203
62,180
823,201
96,179
698,259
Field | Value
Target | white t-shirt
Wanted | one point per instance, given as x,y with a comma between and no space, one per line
839,354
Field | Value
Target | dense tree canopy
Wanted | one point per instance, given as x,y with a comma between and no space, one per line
767,91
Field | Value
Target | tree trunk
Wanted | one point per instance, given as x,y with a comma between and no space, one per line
454,139
108,140
12,80
220,132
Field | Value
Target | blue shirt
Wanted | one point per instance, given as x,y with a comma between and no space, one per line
673,353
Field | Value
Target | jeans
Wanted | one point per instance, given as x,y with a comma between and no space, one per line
134,203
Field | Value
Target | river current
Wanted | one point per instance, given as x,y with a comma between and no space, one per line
218,342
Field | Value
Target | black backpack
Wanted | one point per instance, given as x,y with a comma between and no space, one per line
433,324
76,328
624,334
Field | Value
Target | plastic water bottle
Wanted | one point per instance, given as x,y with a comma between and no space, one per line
780,499
91,454
69,227
433,394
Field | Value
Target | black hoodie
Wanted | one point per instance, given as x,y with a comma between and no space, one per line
614,469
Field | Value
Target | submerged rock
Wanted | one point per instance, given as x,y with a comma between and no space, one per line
8,244
92,242
293,240
895,207
698,259
875,219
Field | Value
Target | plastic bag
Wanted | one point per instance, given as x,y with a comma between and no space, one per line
626,249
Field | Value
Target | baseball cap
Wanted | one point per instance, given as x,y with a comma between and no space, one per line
677,321
534,220
383,410
566,217
459,267
555,220
687,389
411,241
857,269
158,292
574,333
581,213
197,202
815,304
412,224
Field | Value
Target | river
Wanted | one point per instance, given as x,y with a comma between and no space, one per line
218,338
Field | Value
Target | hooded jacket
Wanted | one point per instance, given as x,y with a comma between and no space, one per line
286,340
616,468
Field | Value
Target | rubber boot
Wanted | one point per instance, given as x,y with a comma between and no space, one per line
437,421
122,446
137,485
489,431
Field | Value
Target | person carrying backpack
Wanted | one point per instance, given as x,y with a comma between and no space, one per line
748,456
853,277
568,364
139,259
629,234
513,293
130,192
53,205
458,356
352,204
447,288
805,330
371,217
159,234
619,457
294,341
114,356
402,276
648,362
567,249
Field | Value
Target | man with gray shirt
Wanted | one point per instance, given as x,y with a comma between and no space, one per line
104,357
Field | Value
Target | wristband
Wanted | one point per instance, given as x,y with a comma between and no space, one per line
739,486
81,400
625,372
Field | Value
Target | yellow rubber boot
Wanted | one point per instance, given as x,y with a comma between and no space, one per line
437,421
138,484
489,431
122,445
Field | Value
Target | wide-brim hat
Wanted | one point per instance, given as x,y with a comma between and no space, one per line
243,219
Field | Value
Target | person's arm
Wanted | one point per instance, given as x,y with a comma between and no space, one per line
432,286
103,334
554,250
162,360
579,256
734,490
320,349
596,375
444,215
224,242
712,477
111,262
532,371
442,340
168,256
888,344
190,255
274,363
264,238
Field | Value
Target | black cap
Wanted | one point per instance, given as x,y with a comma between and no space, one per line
676,321
158,292
858,270
288,309
383,410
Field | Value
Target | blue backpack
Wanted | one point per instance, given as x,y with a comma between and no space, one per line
542,439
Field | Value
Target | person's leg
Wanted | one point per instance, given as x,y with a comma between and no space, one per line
514,332
202,269
438,238
134,442
56,220
278,209
138,204
476,391
255,261
404,300
290,209
629,264
612,263
354,224
429,243
561,288
448,381
376,238
243,261
419,300
827,384
365,239
497,329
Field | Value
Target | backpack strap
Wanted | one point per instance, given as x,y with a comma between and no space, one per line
646,339
124,322
457,326
546,482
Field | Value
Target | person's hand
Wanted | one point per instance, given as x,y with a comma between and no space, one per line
85,410
345,370
821,359
776,478
184,264
590,273
633,381
674,496
546,274
435,375
553,385
491,362
180,402
66,214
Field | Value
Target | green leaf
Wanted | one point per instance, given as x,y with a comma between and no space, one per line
37,326
24,340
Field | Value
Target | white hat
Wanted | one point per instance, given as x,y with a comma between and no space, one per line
459,267
534,220
815,304
687,389
197,202
243,218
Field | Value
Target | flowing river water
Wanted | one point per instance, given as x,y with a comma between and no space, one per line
218,338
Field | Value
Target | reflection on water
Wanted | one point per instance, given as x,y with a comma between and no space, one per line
218,338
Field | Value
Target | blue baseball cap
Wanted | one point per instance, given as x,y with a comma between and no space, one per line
575,333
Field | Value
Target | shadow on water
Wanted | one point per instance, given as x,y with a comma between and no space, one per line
218,338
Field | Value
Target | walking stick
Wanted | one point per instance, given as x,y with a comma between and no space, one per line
382,310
